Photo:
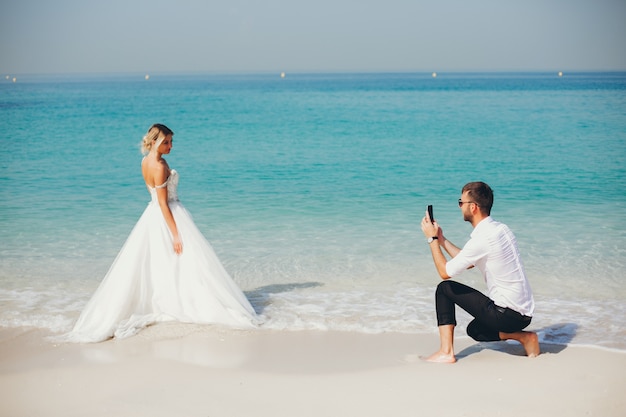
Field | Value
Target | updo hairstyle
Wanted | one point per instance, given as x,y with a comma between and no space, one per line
156,131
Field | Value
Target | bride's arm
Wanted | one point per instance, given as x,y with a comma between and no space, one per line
160,178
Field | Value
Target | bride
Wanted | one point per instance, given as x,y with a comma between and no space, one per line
166,270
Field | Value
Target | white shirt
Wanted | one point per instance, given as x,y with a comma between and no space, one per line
492,248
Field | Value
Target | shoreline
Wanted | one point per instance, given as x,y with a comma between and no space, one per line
190,370
312,306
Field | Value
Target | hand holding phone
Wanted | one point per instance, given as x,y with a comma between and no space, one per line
430,214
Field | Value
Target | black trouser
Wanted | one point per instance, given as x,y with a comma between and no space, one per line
489,319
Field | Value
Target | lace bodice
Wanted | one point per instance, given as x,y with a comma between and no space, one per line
172,187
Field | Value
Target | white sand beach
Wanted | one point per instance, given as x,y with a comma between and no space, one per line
188,370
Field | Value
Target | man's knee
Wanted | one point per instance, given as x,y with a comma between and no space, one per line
481,333
444,287
447,289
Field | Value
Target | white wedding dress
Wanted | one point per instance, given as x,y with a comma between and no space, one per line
149,283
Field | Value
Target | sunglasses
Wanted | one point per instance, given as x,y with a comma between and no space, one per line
461,202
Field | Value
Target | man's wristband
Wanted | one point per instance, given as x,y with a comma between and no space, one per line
431,239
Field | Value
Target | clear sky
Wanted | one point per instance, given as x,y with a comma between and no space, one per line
151,36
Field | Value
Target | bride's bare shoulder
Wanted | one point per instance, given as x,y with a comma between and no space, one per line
154,171
154,165
160,172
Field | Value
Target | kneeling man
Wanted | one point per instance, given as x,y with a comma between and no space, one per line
507,308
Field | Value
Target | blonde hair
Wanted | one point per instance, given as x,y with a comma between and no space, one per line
155,132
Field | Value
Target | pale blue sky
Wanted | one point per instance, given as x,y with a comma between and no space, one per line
151,36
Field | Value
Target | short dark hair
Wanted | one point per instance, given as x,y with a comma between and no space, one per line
481,194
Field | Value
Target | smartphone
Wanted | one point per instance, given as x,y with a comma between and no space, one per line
430,213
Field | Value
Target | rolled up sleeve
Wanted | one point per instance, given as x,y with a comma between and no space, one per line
471,253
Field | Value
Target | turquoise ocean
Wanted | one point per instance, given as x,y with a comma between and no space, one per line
311,189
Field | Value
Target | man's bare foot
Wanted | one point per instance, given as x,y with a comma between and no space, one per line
530,341
440,357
